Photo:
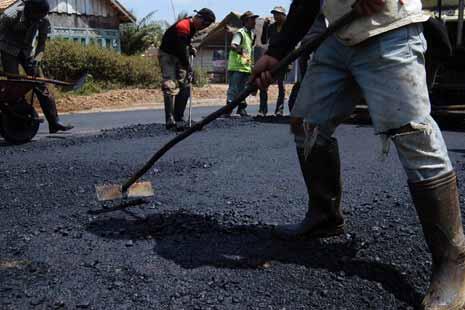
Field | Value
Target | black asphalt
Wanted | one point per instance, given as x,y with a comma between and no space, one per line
204,240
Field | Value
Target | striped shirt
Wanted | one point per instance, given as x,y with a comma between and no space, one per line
18,34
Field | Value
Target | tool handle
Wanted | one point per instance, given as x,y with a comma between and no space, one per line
308,47
35,79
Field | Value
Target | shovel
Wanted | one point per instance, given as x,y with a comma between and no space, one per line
131,189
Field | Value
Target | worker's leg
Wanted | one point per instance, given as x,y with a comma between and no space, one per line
281,96
322,103
182,97
170,86
243,78
263,110
392,76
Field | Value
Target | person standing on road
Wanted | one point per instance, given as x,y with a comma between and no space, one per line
241,59
381,53
175,51
20,26
269,33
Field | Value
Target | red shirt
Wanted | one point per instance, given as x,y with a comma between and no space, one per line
177,39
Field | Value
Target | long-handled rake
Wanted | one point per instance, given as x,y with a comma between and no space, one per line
132,188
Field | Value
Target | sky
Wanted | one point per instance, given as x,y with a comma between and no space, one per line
220,7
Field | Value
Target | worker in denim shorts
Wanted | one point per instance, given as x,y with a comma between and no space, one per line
382,55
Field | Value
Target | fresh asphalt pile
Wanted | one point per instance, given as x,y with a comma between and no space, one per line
204,241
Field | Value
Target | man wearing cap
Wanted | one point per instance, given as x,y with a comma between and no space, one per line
175,51
21,25
269,33
383,54
241,59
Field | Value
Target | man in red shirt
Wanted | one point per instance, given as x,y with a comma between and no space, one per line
175,52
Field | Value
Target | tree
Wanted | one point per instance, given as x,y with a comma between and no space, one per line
138,37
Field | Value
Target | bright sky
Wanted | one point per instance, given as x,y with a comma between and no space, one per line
220,7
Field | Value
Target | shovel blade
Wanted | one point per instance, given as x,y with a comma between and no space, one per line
109,192
141,189
114,191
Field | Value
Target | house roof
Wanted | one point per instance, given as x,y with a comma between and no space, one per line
222,32
123,13
4,4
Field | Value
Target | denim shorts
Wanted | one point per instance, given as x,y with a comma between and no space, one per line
387,70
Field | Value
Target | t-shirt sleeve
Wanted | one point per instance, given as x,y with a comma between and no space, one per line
183,28
237,39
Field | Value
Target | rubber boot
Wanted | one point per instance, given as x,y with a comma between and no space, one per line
180,107
437,205
169,112
49,108
321,171
242,109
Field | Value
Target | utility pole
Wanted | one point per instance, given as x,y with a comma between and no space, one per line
174,10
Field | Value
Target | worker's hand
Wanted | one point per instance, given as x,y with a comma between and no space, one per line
31,67
261,74
369,7
192,51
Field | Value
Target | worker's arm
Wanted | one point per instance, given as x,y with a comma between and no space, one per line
237,42
42,36
301,16
265,32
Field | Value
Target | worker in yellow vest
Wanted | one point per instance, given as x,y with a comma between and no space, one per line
240,61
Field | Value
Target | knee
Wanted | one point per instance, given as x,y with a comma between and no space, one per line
421,149
170,87
308,135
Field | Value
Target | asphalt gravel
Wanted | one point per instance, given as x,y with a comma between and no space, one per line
204,240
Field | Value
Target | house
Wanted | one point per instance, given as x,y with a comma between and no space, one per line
85,21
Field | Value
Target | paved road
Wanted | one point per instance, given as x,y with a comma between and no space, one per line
204,240
93,122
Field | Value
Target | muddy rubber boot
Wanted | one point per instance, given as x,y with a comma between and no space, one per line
437,205
321,171
169,112
49,108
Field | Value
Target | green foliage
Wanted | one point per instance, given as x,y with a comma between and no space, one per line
200,77
90,87
137,38
66,60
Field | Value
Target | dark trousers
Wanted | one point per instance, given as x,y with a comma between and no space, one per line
11,65
279,102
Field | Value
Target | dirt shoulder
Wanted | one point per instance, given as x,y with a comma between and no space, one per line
132,99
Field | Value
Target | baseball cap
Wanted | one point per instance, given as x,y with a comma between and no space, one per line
206,14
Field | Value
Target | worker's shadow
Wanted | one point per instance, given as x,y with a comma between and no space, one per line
193,241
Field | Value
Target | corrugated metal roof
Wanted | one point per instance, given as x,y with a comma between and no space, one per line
4,4
123,14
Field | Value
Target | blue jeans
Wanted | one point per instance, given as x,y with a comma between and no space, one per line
237,83
388,71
